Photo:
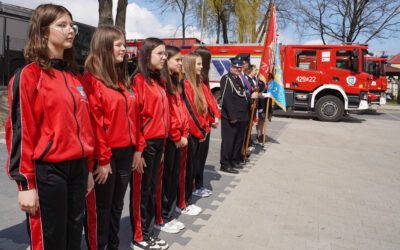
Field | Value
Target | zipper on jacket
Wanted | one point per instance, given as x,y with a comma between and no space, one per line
77,124
179,111
163,111
127,117
46,150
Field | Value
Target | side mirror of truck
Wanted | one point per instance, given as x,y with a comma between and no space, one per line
355,60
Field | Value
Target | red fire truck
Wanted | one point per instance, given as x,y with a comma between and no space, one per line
326,80
377,88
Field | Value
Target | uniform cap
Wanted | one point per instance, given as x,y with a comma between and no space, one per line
243,57
236,62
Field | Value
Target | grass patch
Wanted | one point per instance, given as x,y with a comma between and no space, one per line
392,102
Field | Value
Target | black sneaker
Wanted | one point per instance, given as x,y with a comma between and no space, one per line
162,243
145,245
230,170
237,166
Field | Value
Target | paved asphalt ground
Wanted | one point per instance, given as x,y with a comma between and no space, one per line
315,185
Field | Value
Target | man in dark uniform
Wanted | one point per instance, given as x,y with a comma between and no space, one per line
234,116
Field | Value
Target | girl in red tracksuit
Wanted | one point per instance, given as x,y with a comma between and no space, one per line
114,107
177,139
214,115
49,134
196,108
154,126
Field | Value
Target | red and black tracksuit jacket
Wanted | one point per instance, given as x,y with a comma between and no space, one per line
49,138
154,126
116,118
198,123
117,131
213,110
48,121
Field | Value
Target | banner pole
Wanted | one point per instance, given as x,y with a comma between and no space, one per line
254,101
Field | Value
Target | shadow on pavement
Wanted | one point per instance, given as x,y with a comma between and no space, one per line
15,235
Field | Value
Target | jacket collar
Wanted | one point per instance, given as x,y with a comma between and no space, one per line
59,64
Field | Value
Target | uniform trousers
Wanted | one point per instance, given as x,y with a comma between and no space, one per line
232,140
61,188
170,180
143,192
105,203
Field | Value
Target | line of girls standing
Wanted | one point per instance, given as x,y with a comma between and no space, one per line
76,142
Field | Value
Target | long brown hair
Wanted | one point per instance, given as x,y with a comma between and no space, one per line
170,84
146,47
36,50
189,65
206,58
101,63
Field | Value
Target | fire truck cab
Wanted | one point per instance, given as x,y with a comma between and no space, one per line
376,66
328,80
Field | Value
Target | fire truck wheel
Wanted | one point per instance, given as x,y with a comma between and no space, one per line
329,108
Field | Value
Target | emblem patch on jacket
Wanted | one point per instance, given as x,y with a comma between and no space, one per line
82,92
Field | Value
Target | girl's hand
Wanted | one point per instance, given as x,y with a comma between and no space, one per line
178,144
184,142
137,164
202,140
90,183
28,201
102,173
216,123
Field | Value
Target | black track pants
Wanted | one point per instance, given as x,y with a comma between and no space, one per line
232,141
192,164
105,203
203,148
170,180
142,206
61,188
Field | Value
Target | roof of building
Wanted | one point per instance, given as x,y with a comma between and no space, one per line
395,59
392,69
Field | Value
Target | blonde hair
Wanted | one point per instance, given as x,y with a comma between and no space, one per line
189,65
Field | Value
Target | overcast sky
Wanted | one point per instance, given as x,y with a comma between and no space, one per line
143,19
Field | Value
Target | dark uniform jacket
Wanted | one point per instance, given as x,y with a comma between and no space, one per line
235,98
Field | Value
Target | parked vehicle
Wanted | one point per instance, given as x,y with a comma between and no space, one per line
376,66
14,25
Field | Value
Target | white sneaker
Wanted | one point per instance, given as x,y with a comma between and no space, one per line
188,211
178,224
206,190
196,208
161,243
145,245
169,227
200,192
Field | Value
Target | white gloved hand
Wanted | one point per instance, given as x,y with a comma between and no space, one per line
266,95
